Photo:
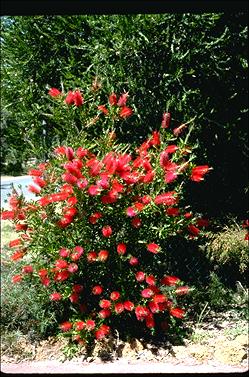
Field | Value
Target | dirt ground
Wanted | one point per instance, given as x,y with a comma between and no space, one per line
211,348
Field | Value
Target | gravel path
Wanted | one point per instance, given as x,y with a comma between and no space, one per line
119,366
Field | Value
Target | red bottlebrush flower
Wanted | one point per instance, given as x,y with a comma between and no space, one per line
139,206
155,138
117,186
182,290
146,199
82,183
69,153
202,222
154,307
113,99
149,321
103,255
34,189
92,256
150,279
62,275
81,152
172,211
69,178
73,169
122,99
78,252
153,248
66,326
107,231
178,130
74,298
71,212
80,325
44,201
17,255
121,248
166,120
170,177
125,112
136,222
93,190
148,177
59,150
43,272
198,172
77,288
53,92
73,267
193,230
103,109
103,182
64,253
70,98
159,298
35,172
27,269
45,281
104,313
177,312
39,181
170,280
115,296
147,293
167,198
97,290
188,215
14,202
102,332
55,296
61,263
108,199
16,279
119,307
94,217
78,99
7,215
141,312
128,305
133,261
171,149
65,221
246,237
14,243
140,276
20,227
130,212
105,304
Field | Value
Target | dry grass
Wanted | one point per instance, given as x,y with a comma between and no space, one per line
229,247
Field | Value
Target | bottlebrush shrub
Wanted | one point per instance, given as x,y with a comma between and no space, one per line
93,236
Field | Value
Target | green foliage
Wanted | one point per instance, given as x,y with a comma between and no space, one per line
191,64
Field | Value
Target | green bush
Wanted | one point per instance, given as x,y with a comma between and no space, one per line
96,238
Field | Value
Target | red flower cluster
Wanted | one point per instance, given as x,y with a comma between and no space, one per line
95,216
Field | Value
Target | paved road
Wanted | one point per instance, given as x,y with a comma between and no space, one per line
6,189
